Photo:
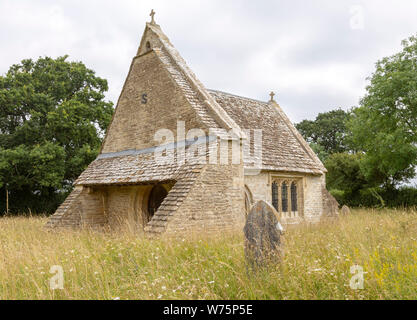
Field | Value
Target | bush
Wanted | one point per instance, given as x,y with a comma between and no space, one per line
23,202
377,197
339,196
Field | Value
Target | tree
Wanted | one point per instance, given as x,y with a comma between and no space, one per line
319,151
384,126
344,172
327,133
53,116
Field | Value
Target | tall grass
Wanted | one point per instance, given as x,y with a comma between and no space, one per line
316,264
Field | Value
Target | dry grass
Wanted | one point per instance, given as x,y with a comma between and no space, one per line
316,264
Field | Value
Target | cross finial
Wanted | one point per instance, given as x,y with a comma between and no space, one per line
153,16
272,94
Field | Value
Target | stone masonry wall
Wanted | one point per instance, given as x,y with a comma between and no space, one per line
312,196
215,202
82,208
258,186
164,107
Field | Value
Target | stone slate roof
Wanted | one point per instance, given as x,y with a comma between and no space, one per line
134,169
283,148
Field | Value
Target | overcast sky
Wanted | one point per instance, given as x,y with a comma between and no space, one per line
315,55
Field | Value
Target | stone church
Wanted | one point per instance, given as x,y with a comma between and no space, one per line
127,185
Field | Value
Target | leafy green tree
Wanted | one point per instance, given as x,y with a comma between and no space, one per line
53,115
384,127
320,151
327,133
344,172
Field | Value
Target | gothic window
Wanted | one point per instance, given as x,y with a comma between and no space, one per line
286,193
294,197
275,195
148,46
284,197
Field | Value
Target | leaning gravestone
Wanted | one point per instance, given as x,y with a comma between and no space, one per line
345,210
262,232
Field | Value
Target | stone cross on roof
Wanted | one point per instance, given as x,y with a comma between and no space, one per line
272,94
152,14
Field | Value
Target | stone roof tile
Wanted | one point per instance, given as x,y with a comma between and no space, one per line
283,148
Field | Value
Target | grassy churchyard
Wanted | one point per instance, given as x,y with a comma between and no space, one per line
316,264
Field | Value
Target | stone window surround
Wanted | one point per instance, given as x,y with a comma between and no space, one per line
299,181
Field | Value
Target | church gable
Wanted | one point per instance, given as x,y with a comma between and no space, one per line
160,90
150,101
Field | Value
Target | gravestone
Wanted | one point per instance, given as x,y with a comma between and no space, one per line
345,210
262,232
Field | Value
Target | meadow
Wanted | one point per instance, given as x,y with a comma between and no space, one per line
316,263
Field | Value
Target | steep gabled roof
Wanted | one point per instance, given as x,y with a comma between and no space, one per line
283,148
210,113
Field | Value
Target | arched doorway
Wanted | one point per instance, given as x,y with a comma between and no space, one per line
157,195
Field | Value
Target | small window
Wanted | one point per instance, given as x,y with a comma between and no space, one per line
294,206
275,195
148,46
284,194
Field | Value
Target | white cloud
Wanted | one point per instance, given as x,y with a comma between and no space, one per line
304,50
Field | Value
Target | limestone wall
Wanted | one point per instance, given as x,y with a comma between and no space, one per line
311,195
125,207
259,187
215,202
82,208
135,123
